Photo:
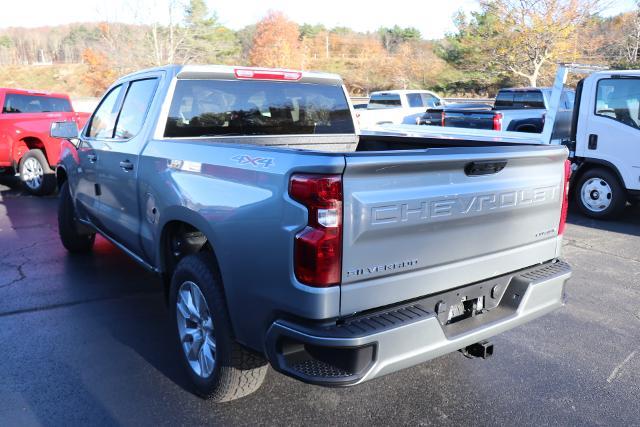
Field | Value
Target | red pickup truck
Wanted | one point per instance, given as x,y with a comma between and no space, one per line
25,145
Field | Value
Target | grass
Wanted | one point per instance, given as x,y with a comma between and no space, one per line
67,78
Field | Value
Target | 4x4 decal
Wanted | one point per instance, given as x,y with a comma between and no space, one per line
263,162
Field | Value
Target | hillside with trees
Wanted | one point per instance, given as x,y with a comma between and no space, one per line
506,42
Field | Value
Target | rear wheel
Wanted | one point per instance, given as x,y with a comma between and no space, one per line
219,368
600,195
73,239
36,174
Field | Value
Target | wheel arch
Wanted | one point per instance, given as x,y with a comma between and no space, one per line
34,143
61,175
588,164
535,124
197,236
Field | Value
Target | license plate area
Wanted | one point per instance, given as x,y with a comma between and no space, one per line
464,309
469,301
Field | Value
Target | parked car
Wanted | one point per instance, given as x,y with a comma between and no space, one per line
25,145
515,109
251,193
396,107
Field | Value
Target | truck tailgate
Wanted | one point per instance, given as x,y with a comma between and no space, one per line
469,119
421,222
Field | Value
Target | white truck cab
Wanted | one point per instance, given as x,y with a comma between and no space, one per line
604,137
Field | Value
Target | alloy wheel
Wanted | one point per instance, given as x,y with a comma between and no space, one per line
195,327
32,173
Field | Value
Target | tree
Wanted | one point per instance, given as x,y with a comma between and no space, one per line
393,37
308,31
205,39
624,36
276,42
99,75
519,37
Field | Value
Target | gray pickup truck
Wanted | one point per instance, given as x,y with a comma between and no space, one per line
284,237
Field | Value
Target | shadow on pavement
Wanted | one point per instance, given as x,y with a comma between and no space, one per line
52,278
627,223
139,318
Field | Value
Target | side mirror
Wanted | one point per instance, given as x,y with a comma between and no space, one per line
65,130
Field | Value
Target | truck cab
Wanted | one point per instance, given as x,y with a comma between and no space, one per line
396,107
605,142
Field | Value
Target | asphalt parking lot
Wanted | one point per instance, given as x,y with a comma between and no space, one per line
85,340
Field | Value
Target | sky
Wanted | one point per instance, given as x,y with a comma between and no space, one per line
434,18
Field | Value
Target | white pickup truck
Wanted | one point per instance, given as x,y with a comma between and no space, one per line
396,107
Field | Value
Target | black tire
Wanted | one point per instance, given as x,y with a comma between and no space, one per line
47,183
72,239
617,196
237,371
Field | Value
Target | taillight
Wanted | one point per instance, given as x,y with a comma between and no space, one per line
262,74
497,121
443,116
318,248
565,197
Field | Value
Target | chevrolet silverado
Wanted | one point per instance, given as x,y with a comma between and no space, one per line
285,238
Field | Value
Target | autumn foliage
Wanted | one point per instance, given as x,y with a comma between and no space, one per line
502,43
100,73
276,43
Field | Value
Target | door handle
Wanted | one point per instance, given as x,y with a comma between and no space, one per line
126,165
92,158
484,167
593,142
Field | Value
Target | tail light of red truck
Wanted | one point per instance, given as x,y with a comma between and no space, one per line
318,247
565,197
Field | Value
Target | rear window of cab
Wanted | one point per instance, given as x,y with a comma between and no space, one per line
384,100
210,108
16,103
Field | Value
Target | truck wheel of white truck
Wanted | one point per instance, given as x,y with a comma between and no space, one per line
220,369
599,194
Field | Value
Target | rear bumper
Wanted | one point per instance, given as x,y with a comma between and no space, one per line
381,342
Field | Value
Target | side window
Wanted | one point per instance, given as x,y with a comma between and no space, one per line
430,100
415,100
134,108
104,118
619,99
